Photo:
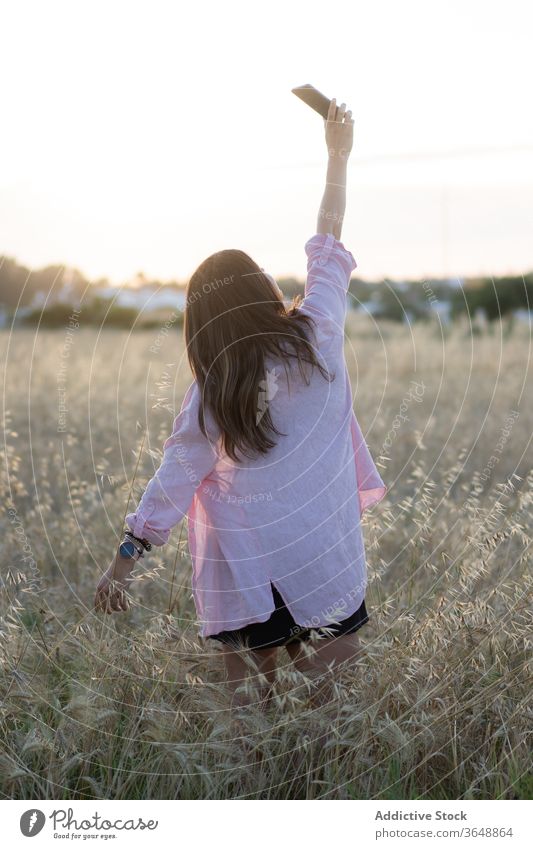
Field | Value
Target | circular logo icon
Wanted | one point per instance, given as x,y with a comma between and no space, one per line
31,822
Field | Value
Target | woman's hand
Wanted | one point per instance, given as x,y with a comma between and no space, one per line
339,131
111,590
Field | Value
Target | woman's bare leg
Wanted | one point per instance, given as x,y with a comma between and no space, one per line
339,651
237,670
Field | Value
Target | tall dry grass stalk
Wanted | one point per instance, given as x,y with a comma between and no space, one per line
134,706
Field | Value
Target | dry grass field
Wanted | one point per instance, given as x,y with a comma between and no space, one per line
133,706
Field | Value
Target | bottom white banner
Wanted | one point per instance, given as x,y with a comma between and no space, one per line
227,823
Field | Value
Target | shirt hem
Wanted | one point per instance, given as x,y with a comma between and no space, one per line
244,624
323,623
369,497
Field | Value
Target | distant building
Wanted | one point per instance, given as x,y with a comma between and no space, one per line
145,298
367,308
522,315
63,295
480,319
442,309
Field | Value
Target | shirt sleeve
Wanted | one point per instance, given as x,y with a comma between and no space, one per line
188,458
329,268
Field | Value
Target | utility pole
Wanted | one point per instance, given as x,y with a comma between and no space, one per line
445,230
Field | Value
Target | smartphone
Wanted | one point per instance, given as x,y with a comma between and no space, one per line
314,98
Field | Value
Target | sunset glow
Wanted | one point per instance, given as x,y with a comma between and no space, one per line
146,136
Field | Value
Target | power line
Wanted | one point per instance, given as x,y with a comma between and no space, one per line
445,154
415,155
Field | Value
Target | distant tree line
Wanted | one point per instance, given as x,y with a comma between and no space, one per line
418,299
385,299
19,285
498,296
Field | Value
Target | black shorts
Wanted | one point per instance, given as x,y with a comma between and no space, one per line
281,629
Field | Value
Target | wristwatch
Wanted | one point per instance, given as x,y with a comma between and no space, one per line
132,547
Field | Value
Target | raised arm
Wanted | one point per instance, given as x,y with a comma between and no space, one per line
339,140
188,457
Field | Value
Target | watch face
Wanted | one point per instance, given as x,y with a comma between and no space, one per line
127,549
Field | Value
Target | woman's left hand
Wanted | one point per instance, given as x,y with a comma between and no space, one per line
110,596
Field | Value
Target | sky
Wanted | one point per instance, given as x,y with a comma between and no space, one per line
144,136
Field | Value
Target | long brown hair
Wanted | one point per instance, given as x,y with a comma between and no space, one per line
234,318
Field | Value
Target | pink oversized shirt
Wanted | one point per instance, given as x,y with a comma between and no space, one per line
291,517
